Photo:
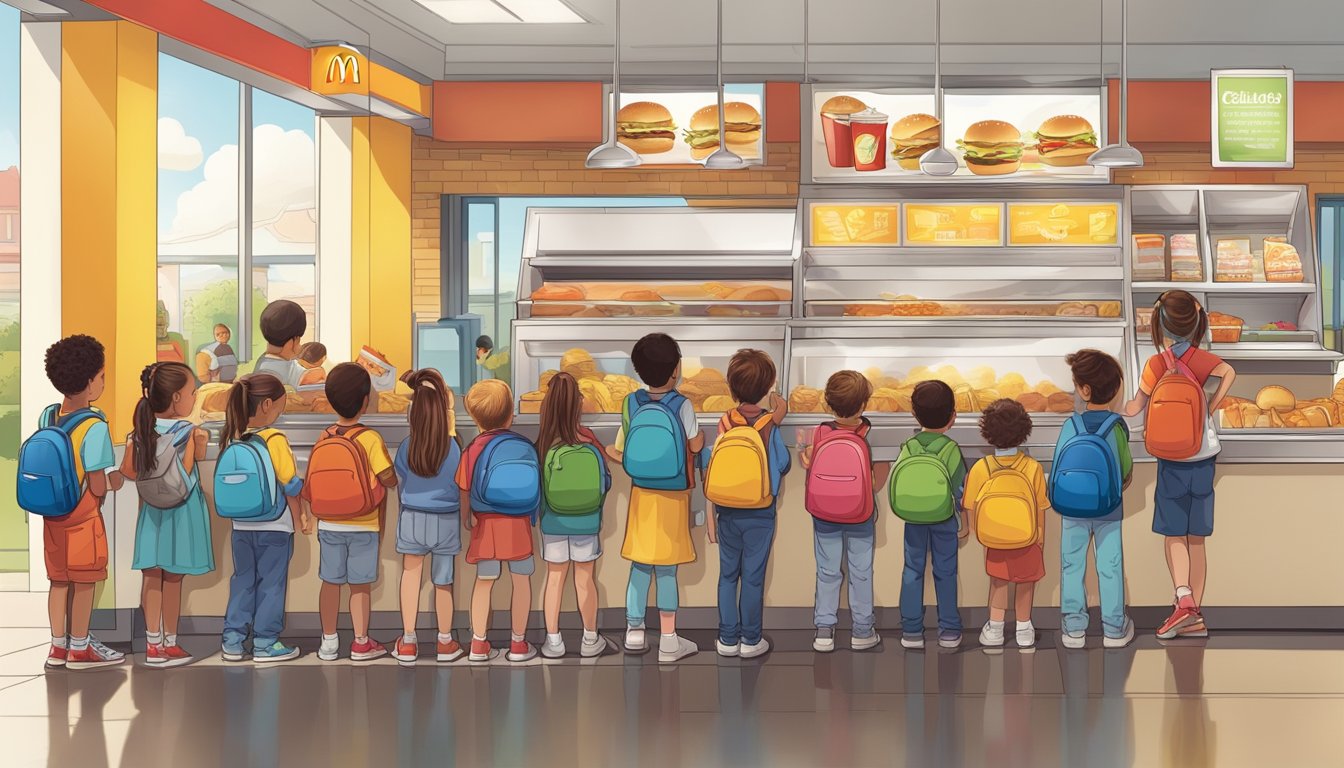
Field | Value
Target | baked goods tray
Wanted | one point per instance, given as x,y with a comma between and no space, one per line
968,310
1277,336
628,309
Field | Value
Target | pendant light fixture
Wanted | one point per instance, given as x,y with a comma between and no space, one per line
723,159
1120,155
938,161
611,153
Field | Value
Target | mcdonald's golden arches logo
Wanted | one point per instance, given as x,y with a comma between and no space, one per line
343,67
339,69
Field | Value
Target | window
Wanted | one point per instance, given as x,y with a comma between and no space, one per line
217,138
13,524
1330,219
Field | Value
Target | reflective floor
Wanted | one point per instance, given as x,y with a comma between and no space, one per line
1235,699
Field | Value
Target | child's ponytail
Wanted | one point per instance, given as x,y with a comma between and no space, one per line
245,399
158,383
433,423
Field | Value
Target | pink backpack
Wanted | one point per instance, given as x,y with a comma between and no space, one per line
840,478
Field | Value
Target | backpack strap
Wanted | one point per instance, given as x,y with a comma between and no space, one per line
71,421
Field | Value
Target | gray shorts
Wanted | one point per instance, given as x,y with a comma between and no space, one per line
570,549
348,557
424,533
489,570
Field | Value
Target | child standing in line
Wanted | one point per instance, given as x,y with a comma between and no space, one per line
656,445
925,488
1090,510
1005,502
349,547
745,534
171,542
1186,457
283,324
74,367
261,549
499,534
429,523
844,512
575,481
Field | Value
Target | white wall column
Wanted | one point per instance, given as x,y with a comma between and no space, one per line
335,141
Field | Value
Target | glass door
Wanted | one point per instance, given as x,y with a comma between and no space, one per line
1330,239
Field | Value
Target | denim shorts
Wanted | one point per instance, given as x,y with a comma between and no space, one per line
1184,499
348,557
489,570
424,533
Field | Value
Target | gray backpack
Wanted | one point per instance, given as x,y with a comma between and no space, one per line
167,486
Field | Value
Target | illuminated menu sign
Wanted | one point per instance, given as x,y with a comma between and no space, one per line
855,225
954,225
1063,224
1252,118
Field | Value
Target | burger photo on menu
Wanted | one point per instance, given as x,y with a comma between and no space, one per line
992,148
1065,141
646,127
741,123
912,136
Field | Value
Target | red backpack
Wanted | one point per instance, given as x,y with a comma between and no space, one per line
340,485
840,475
1177,409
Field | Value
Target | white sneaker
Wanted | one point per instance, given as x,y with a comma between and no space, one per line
595,648
553,650
635,641
761,648
329,650
824,642
727,651
991,637
675,648
913,642
1123,640
864,643
1026,637
1071,640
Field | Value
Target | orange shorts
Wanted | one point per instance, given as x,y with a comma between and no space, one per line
76,544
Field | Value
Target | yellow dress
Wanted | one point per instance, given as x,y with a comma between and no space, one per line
658,528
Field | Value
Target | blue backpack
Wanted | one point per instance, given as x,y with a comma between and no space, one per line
507,477
246,488
1085,477
48,482
654,455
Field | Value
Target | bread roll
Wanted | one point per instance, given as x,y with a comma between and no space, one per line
1060,402
966,399
1034,402
599,393
805,400
559,292
718,404
620,386
1047,388
642,294
579,364
1275,398
546,377
706,382
885,400
1316,417
548,309
1012,385
867,310
754,293
1332,408
718,290
530,402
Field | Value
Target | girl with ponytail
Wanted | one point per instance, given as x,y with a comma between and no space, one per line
261,550
175,542
429,523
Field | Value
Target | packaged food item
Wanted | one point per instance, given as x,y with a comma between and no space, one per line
1225,329
835,129
1143,320
1150,257
1233,262
1282,263
869,129
1186,265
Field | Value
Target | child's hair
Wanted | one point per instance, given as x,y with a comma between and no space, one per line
348,387
313,352
934,404
560,410
751,374
847,393
490,403
1005,424
485,342
73,362
1179,315
656,357
245,397
158,383
432,422
281,321
1098,371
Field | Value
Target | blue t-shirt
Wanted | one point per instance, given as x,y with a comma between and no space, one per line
1119,440
777,459
438,495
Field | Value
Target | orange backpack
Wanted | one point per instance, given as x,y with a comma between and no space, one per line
1177,409
340,485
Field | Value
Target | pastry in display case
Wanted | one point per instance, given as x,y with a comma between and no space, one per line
1277,407
912,306
661,299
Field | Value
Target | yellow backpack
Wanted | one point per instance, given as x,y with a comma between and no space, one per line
1005,509
739,467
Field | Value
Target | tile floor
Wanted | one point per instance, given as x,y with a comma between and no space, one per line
1236,699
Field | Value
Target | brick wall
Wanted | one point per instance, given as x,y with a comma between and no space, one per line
1319,166
443,169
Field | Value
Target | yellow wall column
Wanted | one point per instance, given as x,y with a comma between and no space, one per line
109,119
380,269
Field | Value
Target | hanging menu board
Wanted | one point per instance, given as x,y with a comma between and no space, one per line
954,224
1063,224
855,225
1252,118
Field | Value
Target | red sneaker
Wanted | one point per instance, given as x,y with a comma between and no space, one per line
91,657
1193,631
165,656
56,657
449,651
406,653
367,650
521,650
1186,613
481,651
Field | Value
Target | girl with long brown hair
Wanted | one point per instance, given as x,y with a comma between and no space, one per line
429,523
174,542
261,549
570,533
1186,449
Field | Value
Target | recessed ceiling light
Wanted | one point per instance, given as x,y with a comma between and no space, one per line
504,11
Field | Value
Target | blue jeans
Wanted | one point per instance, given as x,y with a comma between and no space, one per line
1073,538
940,539
745,539
637,591
257,587
855,545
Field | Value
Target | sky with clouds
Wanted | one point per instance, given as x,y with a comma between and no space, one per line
9,86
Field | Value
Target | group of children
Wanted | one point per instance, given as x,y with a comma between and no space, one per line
501,485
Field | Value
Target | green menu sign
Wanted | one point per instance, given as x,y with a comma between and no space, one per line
1252,118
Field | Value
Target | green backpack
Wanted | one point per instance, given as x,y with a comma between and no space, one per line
921,483
575,479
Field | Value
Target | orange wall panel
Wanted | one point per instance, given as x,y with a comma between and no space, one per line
521,113
1178,112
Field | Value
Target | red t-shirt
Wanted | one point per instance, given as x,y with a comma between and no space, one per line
496,536
1201,363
